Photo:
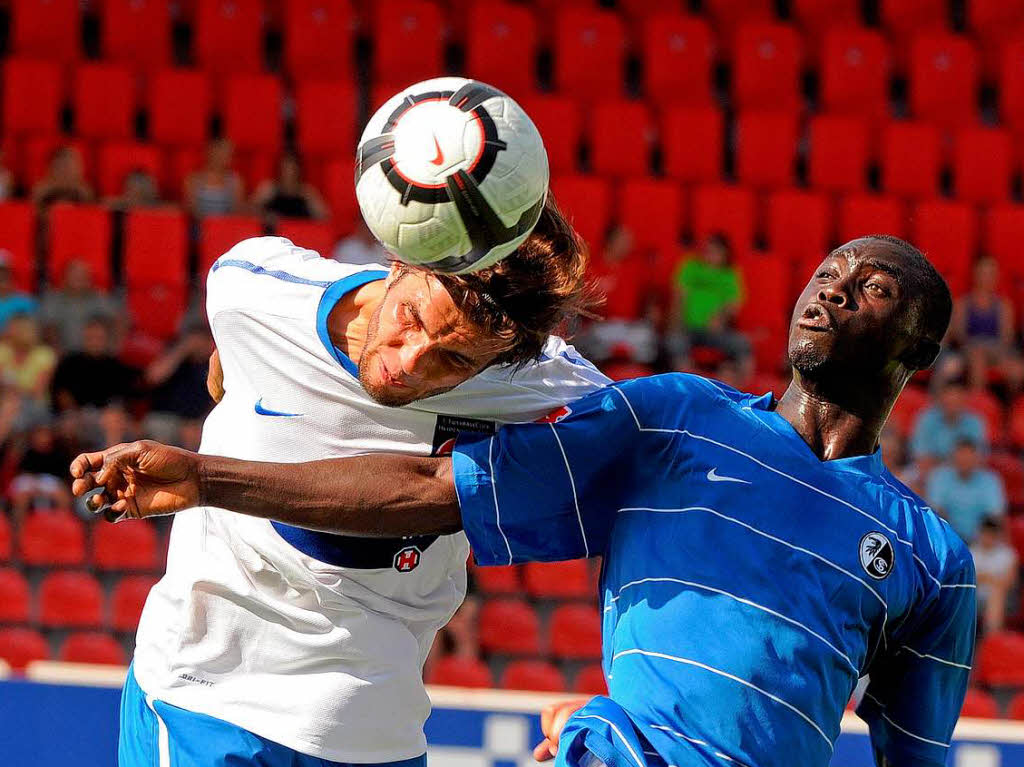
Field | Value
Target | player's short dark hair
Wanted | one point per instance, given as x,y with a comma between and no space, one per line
533,292
926,282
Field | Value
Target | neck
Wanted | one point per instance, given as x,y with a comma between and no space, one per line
841,418
349,320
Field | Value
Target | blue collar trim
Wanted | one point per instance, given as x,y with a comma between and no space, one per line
334,293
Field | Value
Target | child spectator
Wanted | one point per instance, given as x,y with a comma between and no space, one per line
215,189
940,427
288,196
64,180
996,564
965,492
12,301
140,191
26,363
66,310
92,377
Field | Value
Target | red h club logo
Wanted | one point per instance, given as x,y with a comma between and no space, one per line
408,559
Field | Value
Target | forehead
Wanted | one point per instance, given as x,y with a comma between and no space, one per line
871,253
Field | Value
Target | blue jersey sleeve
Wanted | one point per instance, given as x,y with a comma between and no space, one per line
917,689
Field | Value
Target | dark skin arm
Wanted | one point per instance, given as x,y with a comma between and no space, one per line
369,495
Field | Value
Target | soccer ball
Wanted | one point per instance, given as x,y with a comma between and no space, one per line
451,174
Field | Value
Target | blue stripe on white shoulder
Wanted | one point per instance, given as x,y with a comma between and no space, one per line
773,469
249,266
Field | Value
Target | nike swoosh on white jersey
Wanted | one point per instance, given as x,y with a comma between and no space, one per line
713,476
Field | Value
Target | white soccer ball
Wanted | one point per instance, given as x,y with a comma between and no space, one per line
451,174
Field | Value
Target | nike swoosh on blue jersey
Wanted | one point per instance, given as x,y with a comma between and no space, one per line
713,476
260,410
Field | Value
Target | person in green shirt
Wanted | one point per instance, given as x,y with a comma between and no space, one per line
708,292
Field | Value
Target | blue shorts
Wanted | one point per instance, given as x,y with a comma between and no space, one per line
156,734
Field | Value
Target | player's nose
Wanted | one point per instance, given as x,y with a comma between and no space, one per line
413,356
835,293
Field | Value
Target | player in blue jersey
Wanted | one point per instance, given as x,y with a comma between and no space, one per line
759,557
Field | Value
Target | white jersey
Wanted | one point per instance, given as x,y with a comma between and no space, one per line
311,640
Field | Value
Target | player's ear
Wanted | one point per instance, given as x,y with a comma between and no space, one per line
921,354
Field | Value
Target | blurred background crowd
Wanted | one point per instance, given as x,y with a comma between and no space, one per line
710,152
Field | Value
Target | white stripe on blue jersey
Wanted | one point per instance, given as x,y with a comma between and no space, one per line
747,584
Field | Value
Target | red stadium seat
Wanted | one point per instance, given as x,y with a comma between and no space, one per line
32,96
15,596
724,208
590,680
861,214
855,70
1015,429
947,232
982,165
727,15
6,539
119,158
325,116
319,38
18,238
911,159
770,274
907,408
766,142
80,233
252,112
990,409
49,29
560,125
498,580
408,41
1010,469
52,538
21,646
816,17
536,675
652,210
766,67
636,12
339,193
456,671
509,627
692,141
501,46
126,601
92,647
1000,659
1015,526
903,18
157,310
1003,234
943,79
229,36
575,632
70,600
313,235
155,247
218,234
838,157
131,546
136,32
979,704
558,580
586,202
179,105
678,53
799,226
1016,708
620,138
590,51
1011,84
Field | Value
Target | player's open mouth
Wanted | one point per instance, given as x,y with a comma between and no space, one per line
816,317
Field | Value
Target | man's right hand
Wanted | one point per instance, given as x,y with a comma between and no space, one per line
138,479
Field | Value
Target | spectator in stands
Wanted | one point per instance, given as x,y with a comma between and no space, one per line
177,379
941,426
215,189
140,191
983,326
708,292
39,461
360,247
92,377
965,492
65,311
288,196
64,180
12,301
6,180
621,274
996,565
26,363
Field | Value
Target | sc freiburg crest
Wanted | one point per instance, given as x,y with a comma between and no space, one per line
876,555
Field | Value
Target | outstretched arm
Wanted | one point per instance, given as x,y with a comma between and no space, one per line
370,495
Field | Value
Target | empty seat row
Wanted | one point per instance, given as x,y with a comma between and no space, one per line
71,599
21,646
512,627
575,579
58,539
536,675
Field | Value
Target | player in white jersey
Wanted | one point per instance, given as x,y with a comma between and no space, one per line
276,645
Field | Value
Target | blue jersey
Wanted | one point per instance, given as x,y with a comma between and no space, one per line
747,584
